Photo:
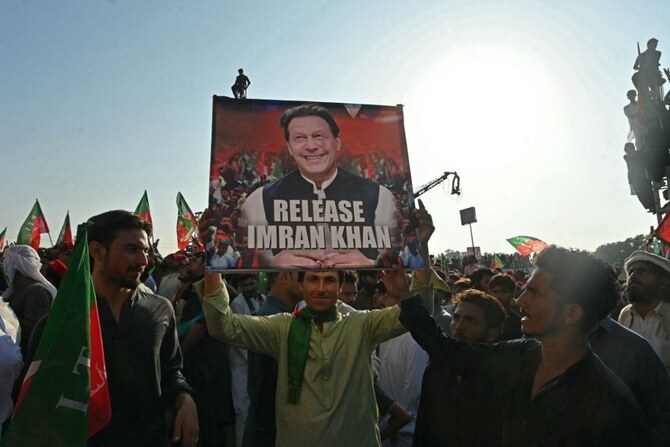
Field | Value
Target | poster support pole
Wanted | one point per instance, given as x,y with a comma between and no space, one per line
472,239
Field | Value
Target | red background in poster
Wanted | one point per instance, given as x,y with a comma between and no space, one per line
374,130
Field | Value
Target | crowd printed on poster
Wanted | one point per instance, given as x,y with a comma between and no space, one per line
300,185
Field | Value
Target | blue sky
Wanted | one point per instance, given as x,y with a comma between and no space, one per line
100,100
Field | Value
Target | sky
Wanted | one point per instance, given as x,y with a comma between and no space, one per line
101,100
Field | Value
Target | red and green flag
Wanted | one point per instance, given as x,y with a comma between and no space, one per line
65,235
663,230
527,244
64,398
143,209
497,263
187,223
2,239
33,227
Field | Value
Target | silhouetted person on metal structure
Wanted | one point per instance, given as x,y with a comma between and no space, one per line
647,63
635,116
637,176
241,84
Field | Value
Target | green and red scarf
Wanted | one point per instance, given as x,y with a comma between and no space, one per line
298,346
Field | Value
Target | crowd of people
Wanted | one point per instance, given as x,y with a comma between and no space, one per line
462,356
504,261
646,152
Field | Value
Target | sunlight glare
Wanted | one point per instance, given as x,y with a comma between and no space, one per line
486,100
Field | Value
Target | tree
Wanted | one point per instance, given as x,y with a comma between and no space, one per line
616,252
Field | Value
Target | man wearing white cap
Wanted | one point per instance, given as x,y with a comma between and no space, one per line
648,289
29,293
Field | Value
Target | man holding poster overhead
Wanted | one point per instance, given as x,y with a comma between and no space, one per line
325,388
320,215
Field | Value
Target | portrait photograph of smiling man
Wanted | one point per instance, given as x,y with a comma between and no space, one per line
336,205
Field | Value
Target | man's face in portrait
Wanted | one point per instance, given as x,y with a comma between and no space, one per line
313,147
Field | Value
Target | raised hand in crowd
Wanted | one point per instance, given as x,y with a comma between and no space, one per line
155,257
206,229
425,230
397,284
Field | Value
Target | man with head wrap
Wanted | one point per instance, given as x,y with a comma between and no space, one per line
29,293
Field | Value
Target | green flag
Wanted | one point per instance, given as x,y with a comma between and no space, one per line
497,262
187,224
34,225
2,239
64,398
444,262
65,235
143,210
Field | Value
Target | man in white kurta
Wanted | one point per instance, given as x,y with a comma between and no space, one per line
647,286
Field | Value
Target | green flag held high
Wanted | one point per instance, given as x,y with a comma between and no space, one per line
444,262
497,263
143,210
65,235
655,248
527,244
187,224
2,239
34,225
64,398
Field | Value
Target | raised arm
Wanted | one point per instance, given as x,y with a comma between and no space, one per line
425,230
414,315
254,333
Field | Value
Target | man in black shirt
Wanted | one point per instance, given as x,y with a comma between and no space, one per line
444,403
549,391
205,364
260,429
142,353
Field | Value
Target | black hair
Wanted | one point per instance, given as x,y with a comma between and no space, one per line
492,308
104,227
380,286
350,277
272,277
580,278
504,281
368,273
479,274
308,110
237,278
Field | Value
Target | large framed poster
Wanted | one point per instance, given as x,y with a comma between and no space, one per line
302,185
